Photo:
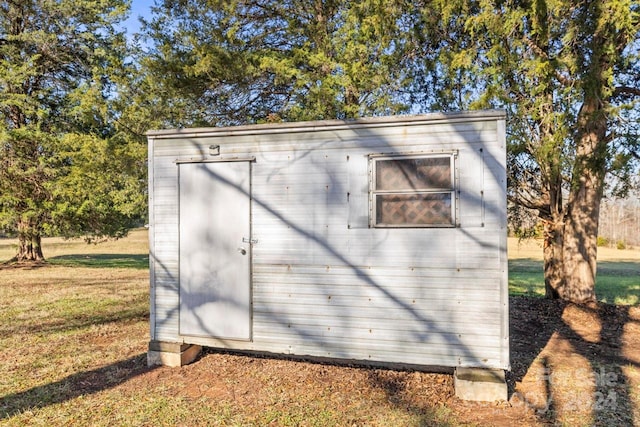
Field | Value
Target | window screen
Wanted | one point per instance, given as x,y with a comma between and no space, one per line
413,191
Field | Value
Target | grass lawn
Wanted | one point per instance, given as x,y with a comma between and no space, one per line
74,334
617,280
83,316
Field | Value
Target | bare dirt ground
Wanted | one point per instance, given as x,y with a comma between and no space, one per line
572,365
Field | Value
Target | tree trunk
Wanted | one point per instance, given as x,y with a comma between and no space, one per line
580,253
570,259
571,243
553,259
29,243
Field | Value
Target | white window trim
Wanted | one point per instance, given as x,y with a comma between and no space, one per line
454,191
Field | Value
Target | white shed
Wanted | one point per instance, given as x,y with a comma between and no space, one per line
380,240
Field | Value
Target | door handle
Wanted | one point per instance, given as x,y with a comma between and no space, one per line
242,251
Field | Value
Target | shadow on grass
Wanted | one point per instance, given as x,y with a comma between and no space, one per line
427,411
135,261
81,320
73,386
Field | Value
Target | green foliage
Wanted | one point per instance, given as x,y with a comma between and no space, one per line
65,167
535,232
603,241
542,61
621,245
101,191
566,72
213,62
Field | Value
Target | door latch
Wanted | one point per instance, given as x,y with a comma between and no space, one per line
251,241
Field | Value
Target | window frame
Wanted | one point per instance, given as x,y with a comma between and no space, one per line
453,191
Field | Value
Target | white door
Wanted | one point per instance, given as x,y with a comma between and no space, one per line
215,293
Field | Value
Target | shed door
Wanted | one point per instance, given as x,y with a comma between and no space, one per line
215,296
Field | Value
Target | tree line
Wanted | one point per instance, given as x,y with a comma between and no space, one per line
620,223
77,95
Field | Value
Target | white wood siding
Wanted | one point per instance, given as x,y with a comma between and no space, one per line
323,282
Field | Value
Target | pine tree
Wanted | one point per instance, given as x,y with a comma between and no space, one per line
248,61
61,159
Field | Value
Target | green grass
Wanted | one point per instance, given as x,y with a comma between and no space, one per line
137,261
64,332
526,278
617,282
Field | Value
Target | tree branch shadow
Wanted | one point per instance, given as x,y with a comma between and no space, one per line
75,385
424,401
600,392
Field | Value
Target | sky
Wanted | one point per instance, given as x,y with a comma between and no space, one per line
138,8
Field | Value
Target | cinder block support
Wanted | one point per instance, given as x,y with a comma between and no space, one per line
171,353
480,384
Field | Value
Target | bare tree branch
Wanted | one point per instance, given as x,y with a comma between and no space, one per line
626,91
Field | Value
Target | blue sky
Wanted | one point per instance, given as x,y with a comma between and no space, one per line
138,8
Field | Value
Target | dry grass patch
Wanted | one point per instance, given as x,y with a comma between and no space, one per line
56,322
532,249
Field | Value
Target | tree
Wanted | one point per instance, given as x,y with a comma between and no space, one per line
63,162
247,61
568,74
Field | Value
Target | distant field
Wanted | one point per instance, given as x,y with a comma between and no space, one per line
532,249
70,252
617,282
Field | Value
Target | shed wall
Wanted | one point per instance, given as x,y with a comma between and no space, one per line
323,282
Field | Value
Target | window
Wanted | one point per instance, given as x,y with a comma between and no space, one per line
413,191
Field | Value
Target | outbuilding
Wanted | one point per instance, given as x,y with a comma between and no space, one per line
379,240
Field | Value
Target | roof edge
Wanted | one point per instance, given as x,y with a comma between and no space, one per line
291,127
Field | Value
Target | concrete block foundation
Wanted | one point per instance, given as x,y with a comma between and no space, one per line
171,353
486,385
